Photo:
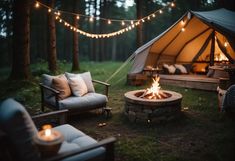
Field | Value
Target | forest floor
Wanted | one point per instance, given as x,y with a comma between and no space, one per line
201,134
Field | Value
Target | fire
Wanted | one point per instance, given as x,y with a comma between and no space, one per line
154,91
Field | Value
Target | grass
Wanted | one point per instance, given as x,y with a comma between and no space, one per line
202,133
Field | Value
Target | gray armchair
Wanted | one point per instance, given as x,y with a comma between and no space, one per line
89,101
17,130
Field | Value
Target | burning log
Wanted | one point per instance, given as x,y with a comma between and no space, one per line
154,91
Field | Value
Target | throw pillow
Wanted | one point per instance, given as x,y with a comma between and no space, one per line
87,79
60,83
77,85
171,69
181,68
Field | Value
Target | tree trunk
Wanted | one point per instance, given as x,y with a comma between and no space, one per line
52,56
75,65
21,40
140,27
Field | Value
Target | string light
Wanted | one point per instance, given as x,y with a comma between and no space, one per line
183,29
123,23
37,5
91,19
182,22
77,17
225,44
133,23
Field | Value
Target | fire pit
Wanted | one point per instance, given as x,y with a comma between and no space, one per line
152,104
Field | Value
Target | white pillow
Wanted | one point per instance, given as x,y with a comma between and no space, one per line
77,85
86,77
171,69
181,68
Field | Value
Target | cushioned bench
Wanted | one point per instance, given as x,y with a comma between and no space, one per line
76,101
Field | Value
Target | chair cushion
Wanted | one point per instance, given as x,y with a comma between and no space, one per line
88,101
76,139
77,85
60,83
19,127
87,79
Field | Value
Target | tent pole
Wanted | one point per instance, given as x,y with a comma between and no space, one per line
212,53
202,48
198,35
224,50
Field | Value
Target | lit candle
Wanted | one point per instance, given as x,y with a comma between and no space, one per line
48,134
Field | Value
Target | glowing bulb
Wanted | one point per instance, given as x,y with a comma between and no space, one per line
60,21
172,4
160,11
153,15
183,29
56,17
182,22
109,22
132,22
143,20
77,17
91,19
225,44
148,18
37,5
123,23
58,13
49,10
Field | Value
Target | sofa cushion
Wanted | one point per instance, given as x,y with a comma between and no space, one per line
88,101
20,129
76,139
77,85
87,79
182,69
60,83
170,68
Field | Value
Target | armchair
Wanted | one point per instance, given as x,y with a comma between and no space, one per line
17,130
90,100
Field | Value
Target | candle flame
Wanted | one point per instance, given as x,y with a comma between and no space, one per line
47,132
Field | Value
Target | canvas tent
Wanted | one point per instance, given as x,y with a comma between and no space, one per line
197,37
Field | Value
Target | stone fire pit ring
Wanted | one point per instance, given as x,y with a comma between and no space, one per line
152,110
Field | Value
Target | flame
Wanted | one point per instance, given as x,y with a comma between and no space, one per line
154,91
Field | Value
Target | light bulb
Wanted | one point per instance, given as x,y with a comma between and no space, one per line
183,29
160,11
91,19
77,17
172,4
109,22
37,5
123,23
49,10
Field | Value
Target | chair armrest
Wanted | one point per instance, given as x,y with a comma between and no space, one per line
105,84
108,143
55,93
49,88
61,113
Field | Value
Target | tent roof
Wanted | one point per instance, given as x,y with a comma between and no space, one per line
220,19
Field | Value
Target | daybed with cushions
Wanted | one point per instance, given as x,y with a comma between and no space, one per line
74,92
17,131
